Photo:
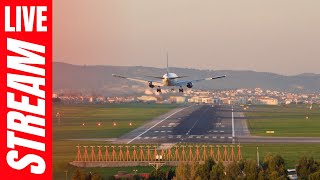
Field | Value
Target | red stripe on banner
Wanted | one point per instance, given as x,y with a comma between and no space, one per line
26,89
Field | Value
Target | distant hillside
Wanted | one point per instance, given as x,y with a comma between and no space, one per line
99,79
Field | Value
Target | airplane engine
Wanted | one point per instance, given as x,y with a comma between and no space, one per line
189,85
151,85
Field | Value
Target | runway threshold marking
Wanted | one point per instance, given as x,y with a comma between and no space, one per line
157,124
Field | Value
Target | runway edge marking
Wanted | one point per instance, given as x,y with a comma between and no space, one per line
158,123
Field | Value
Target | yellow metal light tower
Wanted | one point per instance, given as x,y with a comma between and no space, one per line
204,152
86,156
190,153
99,153
93,156
212,152
158,163
239,153
218,153
79,158
183,156
232,156
106,154
128,158
197,153
113,153
141,153
225,153
120,153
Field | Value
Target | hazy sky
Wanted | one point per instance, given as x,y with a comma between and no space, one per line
281,36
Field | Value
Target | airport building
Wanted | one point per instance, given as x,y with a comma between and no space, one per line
201,99
177,99
147,99
207,100
267,101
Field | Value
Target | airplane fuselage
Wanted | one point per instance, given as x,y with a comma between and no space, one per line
169,79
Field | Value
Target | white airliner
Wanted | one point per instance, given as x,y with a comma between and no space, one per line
168,80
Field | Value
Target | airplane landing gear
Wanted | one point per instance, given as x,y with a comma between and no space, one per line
181,90
159,90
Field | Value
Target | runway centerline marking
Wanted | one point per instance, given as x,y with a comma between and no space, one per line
157,124
233,135
197,121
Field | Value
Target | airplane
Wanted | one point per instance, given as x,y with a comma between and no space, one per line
168,80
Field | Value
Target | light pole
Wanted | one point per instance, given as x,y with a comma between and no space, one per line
58,116
66,174
258,158
135,171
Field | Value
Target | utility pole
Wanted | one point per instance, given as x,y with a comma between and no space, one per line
258,157
66,174
58,116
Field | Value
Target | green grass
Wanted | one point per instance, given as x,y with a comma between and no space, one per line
290,152
72,118
286,121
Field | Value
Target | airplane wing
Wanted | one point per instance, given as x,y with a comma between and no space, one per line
144,81
185,82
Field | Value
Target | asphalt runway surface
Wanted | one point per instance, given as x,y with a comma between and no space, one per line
196,124
202,124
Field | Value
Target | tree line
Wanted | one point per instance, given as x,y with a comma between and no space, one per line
271,168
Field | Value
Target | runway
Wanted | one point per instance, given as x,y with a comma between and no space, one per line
196,124
202,124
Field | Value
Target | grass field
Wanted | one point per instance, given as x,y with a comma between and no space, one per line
65,151
71,126
81,121
261,118
284,120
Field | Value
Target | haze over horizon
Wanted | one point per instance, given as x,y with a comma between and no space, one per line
194,68
266,36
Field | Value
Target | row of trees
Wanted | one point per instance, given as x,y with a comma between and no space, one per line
272,168
308,168
78,175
